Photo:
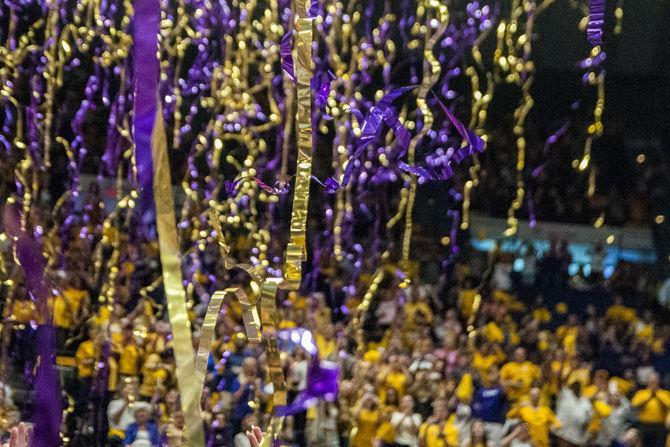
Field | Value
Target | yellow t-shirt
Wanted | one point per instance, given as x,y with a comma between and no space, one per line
152,375
465,388
493,333
103,316
116,333
482,363
372,355
645,332
74,298
326,347
525,373
155,343
62,313
623,385
439,435
368,422
568,336
542,315
652,410
386,432
539,420
395,380
129,357
619,312
86,351
590,391
601,410
23,311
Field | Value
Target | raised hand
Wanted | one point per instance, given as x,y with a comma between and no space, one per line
20,436
255,437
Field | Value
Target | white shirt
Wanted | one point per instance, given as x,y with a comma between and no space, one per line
615,425
501,276
406,428
142,439
126,418
574,413
298,374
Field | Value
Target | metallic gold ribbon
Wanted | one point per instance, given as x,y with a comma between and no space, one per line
297,247
251,324
189,389
249,309
267,289
364,306
268,303
431,69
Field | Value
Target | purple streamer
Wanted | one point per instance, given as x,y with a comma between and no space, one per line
322,378
313,8
553,138
145,38
383,111
441,165
286,56
47,392
321,86
594,30
453,232
475,143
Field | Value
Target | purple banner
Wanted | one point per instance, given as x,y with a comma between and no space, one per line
146,26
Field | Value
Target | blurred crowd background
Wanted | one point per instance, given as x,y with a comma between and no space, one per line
476,352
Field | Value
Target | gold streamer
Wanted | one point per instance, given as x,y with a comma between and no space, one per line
211,317
296,250
172,283
521,72
618,14
467,189
431,70
362,309
268,289
268,303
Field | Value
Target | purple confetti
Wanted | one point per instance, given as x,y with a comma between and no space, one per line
594,30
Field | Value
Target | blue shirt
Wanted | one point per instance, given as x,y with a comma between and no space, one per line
490,405
131,434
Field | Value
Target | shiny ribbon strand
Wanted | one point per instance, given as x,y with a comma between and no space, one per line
431,69
297,247
268,289
154,170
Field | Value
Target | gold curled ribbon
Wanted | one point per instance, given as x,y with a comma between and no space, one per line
189,389
249,309
268,303
267,289
297,247
228,261
364,306
251,325
431,70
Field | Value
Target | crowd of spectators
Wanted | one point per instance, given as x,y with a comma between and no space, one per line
482,357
